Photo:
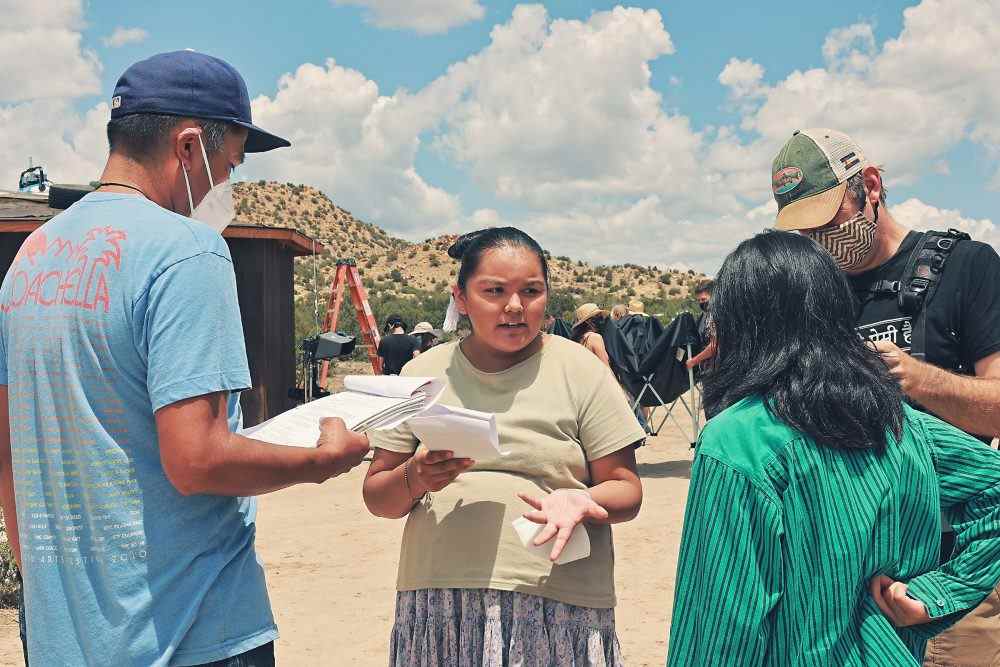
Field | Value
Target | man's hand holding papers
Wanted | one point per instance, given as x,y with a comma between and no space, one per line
367,402
347,449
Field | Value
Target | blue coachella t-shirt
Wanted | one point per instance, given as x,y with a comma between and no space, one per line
110,311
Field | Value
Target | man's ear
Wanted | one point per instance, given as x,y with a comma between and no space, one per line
184,144
873,184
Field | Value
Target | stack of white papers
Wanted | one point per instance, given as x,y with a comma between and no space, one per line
367,402
469,434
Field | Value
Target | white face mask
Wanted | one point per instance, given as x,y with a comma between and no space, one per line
216,209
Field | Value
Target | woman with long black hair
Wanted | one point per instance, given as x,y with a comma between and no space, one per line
814,515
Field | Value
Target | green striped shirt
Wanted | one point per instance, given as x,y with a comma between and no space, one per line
782,536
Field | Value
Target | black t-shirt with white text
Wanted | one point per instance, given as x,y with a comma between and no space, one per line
396,350
963,317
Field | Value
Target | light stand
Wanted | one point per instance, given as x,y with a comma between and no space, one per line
315,350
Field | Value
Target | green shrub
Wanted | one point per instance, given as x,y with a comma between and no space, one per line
9,582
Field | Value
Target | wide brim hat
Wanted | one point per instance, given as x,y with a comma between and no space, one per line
587,312
809,177
423,328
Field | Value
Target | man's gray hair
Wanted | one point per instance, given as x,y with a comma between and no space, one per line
141,136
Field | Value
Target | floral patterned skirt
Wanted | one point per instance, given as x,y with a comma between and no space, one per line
478,627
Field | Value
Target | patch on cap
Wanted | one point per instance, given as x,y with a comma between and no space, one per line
786,180
116,101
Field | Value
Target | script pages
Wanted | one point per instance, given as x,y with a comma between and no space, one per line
367,402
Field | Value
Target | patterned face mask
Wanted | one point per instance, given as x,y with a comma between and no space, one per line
850,242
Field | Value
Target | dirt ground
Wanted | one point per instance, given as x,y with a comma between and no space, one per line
331,567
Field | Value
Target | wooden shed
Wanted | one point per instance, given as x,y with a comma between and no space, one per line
263,262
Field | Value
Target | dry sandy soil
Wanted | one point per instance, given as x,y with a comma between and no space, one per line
331,567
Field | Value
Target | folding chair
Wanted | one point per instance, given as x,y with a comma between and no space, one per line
658,378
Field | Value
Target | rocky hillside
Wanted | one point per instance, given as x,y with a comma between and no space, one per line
394,267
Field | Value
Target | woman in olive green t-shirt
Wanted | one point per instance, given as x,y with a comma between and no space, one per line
469,592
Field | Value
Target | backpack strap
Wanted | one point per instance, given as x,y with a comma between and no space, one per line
920,281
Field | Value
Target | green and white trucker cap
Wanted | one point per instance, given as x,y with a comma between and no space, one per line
809,177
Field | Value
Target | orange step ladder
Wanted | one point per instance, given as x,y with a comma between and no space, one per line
348,275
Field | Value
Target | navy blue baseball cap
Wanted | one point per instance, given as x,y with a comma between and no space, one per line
193,85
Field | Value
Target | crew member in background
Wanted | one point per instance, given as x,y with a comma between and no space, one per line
397,347
618,311
928,302
703,294
426,336
587,330
636,307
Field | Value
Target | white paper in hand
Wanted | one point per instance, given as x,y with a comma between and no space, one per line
578,546
470,434
368,402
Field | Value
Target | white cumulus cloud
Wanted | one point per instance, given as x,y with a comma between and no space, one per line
422,16
555,110
743,78
920,216
850,49
43,69
557,123
71,147
41,52
122,36
907,103
355,144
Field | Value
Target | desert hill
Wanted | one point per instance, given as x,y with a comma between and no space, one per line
393,267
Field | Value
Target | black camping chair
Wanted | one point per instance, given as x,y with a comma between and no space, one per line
658,378
641,331
560,328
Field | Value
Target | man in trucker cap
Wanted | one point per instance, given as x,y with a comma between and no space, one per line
121,362
929,303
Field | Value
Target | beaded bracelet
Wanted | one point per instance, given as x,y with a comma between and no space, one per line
406,479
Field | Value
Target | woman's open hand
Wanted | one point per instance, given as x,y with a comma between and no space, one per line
560,512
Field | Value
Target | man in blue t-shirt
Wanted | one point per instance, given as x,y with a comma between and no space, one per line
121,359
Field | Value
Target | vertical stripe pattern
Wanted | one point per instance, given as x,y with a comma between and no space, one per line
782,536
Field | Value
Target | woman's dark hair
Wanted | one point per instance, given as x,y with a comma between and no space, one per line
470,248
427,341
784,320
583,328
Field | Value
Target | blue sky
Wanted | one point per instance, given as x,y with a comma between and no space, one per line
436,175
